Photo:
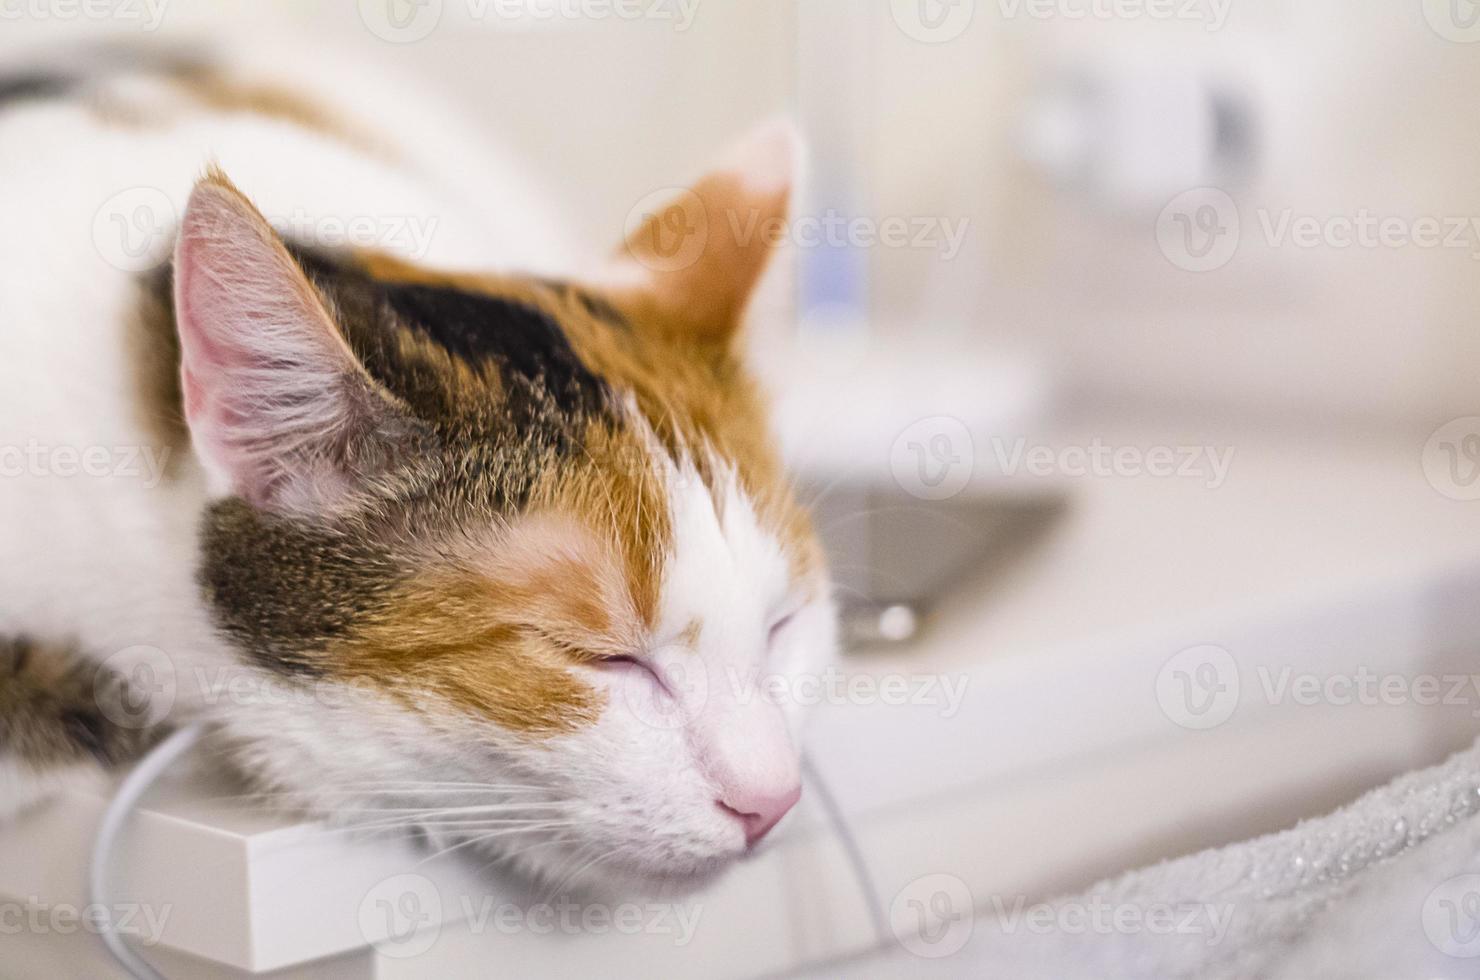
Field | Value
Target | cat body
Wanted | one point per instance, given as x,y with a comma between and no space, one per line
509,544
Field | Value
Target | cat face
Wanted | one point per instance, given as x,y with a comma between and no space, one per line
537,527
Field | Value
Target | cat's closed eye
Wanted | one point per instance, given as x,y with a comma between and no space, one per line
633,666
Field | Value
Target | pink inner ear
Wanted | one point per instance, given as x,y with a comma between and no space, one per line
266,377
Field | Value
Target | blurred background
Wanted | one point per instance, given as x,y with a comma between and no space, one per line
1131,354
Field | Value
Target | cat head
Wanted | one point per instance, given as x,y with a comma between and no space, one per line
537,528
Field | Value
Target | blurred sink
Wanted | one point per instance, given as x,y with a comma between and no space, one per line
894,556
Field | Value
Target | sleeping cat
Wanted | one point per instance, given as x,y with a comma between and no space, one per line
507,555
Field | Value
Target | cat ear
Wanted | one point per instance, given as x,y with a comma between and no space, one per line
280,410
691,262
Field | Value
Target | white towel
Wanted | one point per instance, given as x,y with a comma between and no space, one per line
1387,888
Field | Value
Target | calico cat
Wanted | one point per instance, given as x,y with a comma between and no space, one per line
511,552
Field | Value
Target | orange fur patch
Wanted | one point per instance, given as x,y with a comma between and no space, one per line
702,404
501,634
213,89
153,349
224,94
698,287
614,492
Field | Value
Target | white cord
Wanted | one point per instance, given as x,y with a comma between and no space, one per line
840,824
145,774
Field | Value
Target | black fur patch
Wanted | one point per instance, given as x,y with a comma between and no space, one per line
84,67
522,340
282,589
532,352
30,86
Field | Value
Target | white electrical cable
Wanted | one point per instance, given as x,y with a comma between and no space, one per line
840,824
134,786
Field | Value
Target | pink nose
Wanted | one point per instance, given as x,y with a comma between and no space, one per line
759,812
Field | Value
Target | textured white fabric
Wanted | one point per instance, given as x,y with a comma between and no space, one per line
1387,888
